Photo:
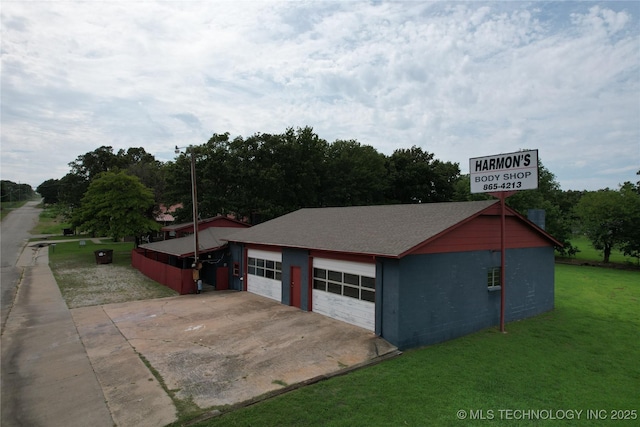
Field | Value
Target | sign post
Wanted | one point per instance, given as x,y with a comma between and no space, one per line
502,176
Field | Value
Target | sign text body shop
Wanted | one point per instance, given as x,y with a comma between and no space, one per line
504,172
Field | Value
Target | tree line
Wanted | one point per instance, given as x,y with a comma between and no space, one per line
15,192
267,175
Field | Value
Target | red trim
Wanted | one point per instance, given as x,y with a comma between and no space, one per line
246,269
310,284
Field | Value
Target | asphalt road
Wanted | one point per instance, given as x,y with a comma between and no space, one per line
14,232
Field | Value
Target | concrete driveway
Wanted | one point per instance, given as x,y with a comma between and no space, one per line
217,348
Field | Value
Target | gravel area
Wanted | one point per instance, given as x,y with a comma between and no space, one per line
106,284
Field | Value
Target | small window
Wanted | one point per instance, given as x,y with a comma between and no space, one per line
351,292
368,282
493,278
351,279
320,284
368,296
335,288
319,273
236,269
336,276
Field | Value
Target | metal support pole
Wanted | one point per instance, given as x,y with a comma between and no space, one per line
502,195
502,258
194,197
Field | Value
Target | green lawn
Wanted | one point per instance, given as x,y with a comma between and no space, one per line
581,356
73,254
51,221
589,253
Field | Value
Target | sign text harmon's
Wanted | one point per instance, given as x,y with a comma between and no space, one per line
504,172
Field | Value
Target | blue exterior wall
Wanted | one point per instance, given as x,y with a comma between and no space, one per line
388,300
436,297
237,255
295,258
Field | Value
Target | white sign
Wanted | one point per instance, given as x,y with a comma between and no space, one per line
504,172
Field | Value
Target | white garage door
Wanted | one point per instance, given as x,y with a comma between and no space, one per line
345,291
264,273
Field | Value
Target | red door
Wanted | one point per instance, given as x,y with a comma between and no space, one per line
295,286
222,278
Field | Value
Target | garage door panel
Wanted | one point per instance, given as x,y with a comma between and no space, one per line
265,287
260,277
350,310
342,290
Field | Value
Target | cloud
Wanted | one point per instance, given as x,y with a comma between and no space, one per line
459,79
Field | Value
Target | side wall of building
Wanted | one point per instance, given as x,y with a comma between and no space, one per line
436,297
236,282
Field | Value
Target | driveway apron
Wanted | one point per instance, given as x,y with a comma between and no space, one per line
227,347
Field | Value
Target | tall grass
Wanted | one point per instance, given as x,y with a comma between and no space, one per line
52,221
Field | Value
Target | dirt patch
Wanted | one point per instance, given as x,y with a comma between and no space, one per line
106,284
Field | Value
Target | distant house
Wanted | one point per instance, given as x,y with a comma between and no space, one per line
170,262
414,274
184,229
165,214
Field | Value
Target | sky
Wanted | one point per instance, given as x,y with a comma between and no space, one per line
458,79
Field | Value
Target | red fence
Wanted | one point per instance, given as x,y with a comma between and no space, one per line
175,278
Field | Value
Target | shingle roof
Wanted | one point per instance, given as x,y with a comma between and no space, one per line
388,230
189,225
208,240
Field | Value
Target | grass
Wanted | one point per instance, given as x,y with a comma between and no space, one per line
83,282
581,356
589,253
51,221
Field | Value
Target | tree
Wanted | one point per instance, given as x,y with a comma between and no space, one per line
414,177
72,188
49,190
13,192
559,217
630,207
91,164
611,219
137,162
462,191
356,175
116,205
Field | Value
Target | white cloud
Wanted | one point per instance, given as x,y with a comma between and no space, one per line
459,79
